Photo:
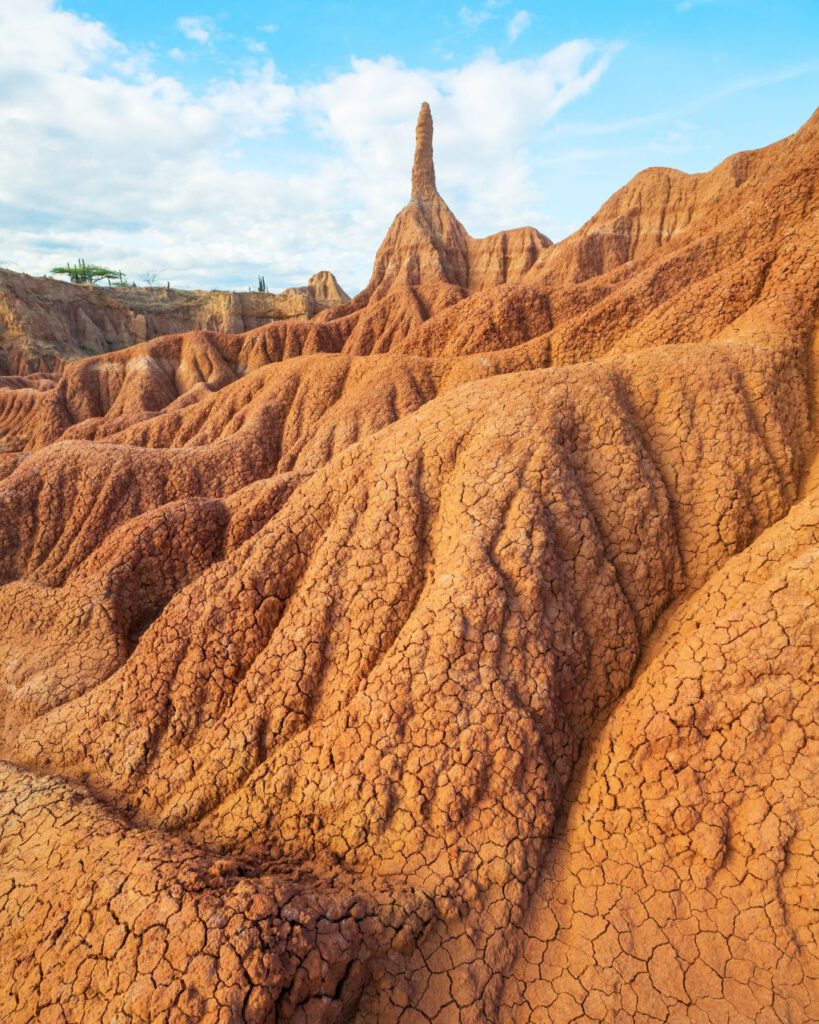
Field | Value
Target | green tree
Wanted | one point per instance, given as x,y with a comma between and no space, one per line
89,273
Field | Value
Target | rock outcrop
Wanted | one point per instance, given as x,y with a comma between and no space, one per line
44,322
423,188
449,657
427,245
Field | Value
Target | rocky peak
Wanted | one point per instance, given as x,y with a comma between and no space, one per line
326,290
427,245
423,166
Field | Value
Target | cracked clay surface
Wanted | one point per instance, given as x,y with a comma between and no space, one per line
451,657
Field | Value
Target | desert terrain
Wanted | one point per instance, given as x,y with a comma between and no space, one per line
44,323
448,656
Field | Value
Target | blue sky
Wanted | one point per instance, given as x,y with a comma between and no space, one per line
211,142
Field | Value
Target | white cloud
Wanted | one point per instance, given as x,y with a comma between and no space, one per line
517,25
252,174
474,19
199,30
37,33
269,28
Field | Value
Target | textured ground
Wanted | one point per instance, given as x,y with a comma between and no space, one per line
44,322
450,657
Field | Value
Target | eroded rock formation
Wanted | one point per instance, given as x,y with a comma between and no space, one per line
44,322
423,166
450,657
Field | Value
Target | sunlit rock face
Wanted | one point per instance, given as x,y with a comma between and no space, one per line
44,323
450,656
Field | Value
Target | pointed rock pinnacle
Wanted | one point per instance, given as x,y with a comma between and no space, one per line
423,168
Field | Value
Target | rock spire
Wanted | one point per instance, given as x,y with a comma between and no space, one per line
423,167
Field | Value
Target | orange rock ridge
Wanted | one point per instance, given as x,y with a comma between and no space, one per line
44,322
449,657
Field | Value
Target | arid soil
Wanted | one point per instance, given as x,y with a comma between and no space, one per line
44,322
451,656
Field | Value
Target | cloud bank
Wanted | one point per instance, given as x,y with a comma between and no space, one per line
104,158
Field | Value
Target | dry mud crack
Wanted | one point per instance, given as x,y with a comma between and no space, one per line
449,657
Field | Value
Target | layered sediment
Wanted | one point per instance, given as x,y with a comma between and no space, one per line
44,323
448,657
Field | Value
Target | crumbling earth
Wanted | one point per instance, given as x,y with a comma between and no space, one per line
451,656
